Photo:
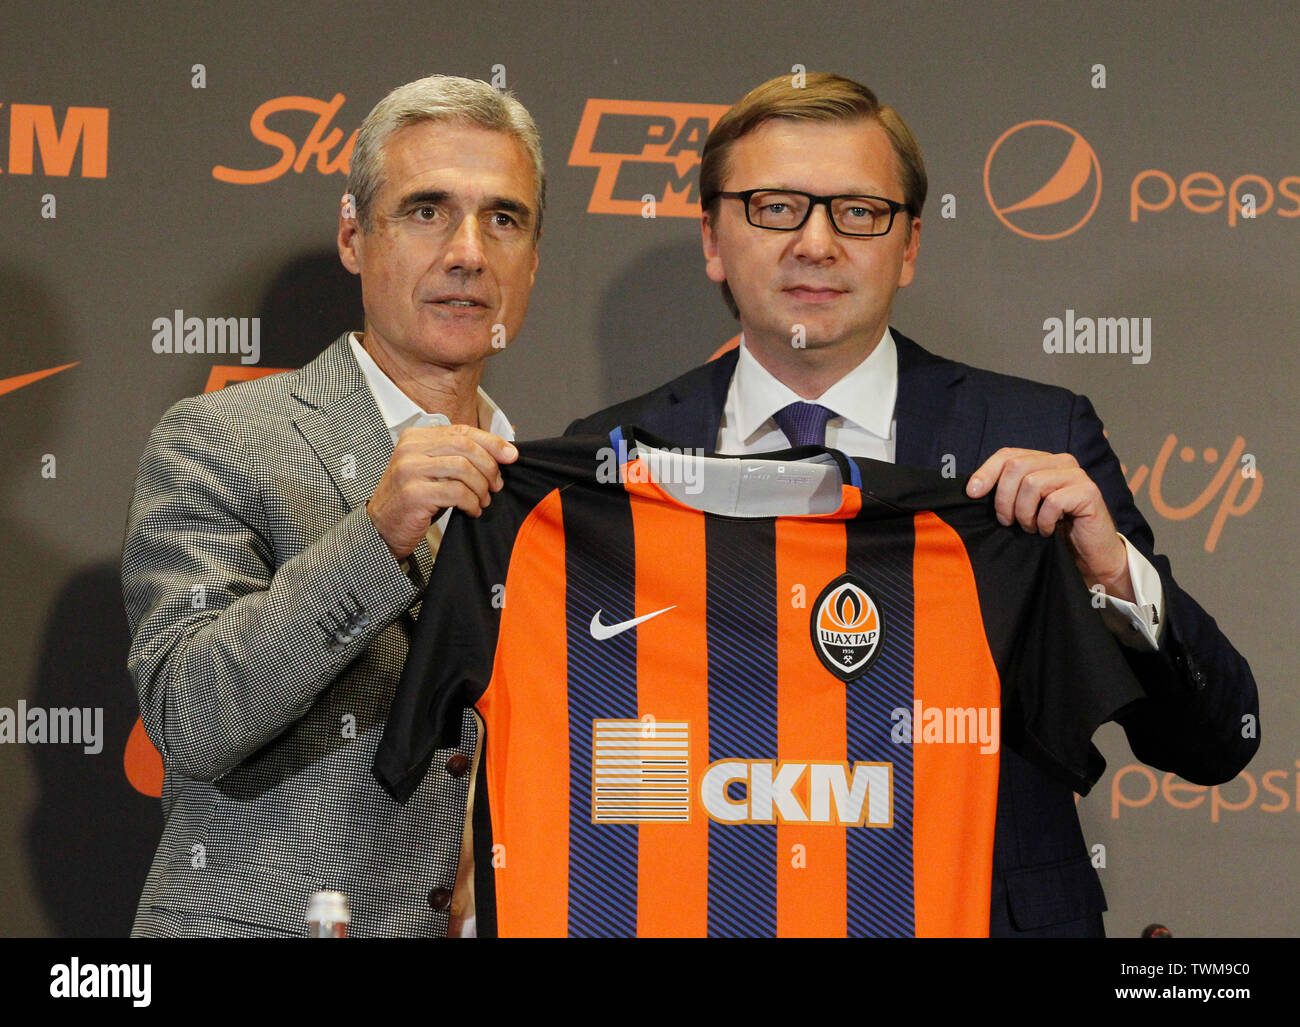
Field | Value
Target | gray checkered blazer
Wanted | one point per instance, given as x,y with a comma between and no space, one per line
269,627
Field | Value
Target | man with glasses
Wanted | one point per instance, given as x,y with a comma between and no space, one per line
812,196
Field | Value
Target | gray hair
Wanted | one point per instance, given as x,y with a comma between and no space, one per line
438,98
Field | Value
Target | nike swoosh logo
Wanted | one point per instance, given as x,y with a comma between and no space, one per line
18,381
600,631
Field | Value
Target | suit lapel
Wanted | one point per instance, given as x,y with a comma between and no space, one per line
693,411
936,416
342,423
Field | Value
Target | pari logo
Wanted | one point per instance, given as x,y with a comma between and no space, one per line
846,628
648,155
1042,179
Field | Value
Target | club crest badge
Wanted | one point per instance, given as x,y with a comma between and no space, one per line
847,628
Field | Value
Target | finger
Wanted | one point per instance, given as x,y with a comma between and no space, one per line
426,446
989,472
476,471
502,451
1039,487
484,448
1072,499
485,464
1007,500
451,493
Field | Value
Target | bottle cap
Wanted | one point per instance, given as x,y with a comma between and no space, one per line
328,907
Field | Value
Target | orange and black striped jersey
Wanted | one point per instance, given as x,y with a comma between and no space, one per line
752,697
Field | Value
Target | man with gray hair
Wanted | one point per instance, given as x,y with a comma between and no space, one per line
281,532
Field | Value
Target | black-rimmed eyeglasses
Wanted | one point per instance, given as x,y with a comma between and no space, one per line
786,210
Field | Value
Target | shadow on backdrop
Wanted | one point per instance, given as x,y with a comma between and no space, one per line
311,302
650,330
87,837
91,835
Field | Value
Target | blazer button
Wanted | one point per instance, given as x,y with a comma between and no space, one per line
440,898
458,765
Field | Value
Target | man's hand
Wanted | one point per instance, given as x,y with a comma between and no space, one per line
431,469
1039,490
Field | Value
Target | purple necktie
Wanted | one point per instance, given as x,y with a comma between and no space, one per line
804,424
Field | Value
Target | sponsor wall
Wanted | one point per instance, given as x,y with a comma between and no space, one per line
1114,207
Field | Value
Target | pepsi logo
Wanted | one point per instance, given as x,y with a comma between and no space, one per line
1042,179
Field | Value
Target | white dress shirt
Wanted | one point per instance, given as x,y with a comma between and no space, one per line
864,425
400,412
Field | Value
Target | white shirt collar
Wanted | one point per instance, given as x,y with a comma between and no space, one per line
864,397
400,412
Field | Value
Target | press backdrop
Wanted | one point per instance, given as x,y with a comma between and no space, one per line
1094,160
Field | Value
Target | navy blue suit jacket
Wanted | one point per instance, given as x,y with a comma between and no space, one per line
1199,688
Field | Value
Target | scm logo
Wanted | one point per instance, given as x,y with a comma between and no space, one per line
644,149
799,793
1045,174
33,127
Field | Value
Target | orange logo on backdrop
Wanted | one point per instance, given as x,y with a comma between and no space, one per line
1079,174
141,761
33,127
1282,786
19,380
319,141
1203,192
1056,209
644,148
1236,478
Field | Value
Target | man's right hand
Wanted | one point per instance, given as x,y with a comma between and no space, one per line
432,469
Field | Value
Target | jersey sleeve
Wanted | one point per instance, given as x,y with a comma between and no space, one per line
454,647
1063,674
450,662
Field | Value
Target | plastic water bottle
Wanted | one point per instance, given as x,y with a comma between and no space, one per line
328,915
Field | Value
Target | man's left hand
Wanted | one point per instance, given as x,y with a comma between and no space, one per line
1041,490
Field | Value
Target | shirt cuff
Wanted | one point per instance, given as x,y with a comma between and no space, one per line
1138,624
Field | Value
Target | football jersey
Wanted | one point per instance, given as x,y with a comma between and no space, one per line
745,697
